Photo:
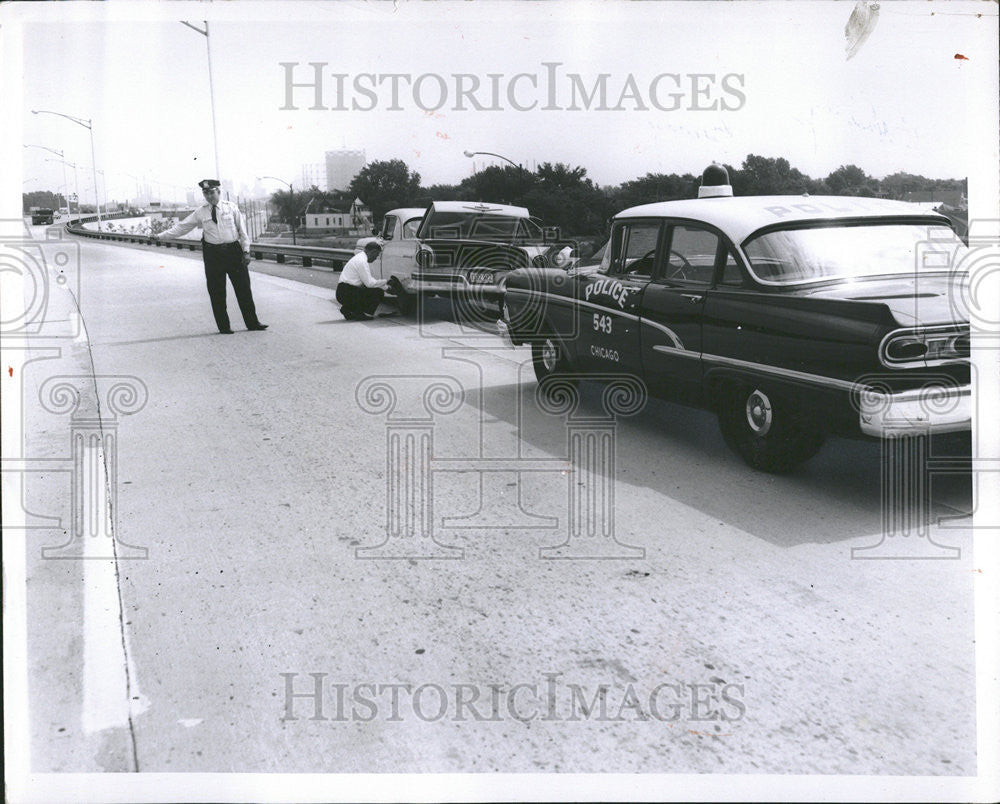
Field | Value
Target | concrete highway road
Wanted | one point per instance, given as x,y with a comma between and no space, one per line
364,547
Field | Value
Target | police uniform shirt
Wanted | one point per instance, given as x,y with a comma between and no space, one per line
228,229
357,272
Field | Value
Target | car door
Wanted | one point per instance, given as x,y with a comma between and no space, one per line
673,308
399,251
608,300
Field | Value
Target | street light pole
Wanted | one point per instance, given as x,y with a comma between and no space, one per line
471,154
211,89
76,182
104,184
61,156
87,124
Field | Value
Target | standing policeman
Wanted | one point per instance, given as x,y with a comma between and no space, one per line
225,251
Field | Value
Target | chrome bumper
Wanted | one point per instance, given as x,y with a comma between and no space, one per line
504,331
457,287
923,410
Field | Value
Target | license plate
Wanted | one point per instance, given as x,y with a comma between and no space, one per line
481,277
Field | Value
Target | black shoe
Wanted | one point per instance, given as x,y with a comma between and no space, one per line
258,327
349,315
225,332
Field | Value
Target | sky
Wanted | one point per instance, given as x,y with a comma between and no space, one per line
687,83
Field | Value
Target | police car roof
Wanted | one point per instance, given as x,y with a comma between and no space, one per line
741,216
482,207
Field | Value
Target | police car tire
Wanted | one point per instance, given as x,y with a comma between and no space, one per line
541,354
789,440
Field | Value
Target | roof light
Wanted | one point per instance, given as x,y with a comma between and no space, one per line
715,182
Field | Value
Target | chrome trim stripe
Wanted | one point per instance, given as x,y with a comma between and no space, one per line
785,373
670,350
921,394
568,302
766,368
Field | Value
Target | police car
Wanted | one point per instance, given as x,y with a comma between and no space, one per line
792,317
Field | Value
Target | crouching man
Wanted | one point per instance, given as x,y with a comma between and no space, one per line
358,292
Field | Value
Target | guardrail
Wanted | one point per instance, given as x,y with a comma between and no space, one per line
306,255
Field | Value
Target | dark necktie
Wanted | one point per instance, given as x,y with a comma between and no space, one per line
214,218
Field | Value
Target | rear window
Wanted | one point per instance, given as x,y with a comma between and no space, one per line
476,226
795,256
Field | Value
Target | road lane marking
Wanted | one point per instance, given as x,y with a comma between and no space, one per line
110,692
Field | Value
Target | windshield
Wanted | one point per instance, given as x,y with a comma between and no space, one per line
475,226
792,256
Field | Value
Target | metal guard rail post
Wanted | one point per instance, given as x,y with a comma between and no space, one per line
336,257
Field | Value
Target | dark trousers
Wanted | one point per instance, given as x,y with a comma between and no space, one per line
222,261
358,298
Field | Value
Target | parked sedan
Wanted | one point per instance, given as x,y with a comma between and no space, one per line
792,317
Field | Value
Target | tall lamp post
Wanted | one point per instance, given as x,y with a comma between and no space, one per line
471,154
87,124
211,88
61,156
291,201
76,182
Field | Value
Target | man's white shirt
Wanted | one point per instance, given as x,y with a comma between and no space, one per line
229,229
357,272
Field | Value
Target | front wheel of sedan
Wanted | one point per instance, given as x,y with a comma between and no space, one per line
766,431
548,357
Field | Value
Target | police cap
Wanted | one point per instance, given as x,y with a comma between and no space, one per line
209,184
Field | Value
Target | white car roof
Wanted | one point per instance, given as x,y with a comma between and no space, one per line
482,207
406,213
740,216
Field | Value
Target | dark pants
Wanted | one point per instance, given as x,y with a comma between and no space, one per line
356,299
220,262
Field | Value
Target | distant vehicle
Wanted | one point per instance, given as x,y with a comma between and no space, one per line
791,317
42,216
457,248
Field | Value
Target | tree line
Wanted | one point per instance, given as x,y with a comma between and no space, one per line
564,196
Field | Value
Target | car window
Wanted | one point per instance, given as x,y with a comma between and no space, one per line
692,255
819,253
633,248
732,276
388,227
477,226
410,228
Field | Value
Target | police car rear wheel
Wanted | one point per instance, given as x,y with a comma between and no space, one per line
548,357
767,431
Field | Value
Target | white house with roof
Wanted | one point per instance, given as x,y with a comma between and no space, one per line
346,217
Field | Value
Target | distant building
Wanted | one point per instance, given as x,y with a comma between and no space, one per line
951,198
344,216
341,167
